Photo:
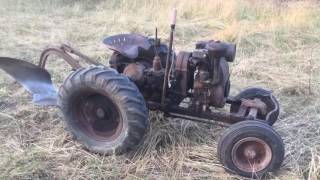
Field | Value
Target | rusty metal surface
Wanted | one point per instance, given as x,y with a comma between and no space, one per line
217,92
135,72
156,63
209,94
206,117
181,70
34,79
60,53
251,108
251,154
262,99
98,116
127,44
255,103
64,51
82,56
218,49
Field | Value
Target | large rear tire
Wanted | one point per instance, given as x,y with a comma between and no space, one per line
103,110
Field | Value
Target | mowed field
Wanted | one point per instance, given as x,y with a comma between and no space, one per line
278,47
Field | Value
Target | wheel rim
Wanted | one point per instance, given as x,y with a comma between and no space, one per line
97,116
251,154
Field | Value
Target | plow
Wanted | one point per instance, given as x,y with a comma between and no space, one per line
105,107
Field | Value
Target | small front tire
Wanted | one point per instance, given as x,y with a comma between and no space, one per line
251,149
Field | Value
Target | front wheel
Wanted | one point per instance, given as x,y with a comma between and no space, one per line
272,106
103,110
251,149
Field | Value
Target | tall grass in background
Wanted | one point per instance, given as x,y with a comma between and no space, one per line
273,24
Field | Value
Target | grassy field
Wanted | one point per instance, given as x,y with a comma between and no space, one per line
278,48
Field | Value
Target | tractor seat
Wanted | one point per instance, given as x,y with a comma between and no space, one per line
128,45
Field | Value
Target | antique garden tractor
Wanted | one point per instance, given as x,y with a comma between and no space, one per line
106,108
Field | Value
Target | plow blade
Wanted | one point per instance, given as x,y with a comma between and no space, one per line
34,79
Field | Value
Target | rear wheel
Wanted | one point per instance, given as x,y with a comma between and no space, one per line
103,110
251,149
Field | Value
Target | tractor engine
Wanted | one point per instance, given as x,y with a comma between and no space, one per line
202,75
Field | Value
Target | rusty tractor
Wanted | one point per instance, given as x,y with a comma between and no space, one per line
106,108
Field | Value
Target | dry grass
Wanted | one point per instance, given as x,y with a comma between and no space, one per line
278,48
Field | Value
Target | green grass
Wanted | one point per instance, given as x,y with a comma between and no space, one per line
277,47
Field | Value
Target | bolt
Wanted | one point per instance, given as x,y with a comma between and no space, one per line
250,153
100,113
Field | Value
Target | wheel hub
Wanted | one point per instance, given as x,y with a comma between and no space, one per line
251,154
100,113
97,116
